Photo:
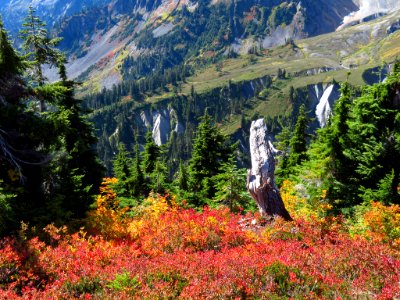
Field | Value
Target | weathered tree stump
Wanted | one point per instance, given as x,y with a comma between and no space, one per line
261,178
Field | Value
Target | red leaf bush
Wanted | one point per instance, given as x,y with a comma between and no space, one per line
165,251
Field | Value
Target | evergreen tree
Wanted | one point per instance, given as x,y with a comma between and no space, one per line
339,138
298,142
210,150
159,178
122,165
40,49
77,173
356,155
151,154
10,62
283,145
335,140
230,186
182,180
52,177
137,179
23,139
10,110
375,138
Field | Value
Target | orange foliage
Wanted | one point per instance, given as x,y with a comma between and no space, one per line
301,207
108,219
380,223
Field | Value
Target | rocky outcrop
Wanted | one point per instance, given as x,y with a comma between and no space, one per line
161,127
321,100
284,33
261,177
251,88
162,123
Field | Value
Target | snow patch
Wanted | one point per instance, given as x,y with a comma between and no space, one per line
323,110
370,8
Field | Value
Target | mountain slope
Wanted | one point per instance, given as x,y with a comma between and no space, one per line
159,64
50,11
187,29
169,32
240,88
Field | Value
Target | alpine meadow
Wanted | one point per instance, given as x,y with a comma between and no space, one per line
200,149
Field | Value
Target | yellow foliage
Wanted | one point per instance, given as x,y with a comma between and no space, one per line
379,222
112,221
108,218
150,210
301,207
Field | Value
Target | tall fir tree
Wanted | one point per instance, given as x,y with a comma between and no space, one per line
355,156
137,177
337,140
230,186
210,150
150,155
182,179
339,129
283,145
159,182
298,142
10,62
23,141
39,47
75,173
122,167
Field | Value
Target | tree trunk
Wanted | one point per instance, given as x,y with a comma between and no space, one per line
261,177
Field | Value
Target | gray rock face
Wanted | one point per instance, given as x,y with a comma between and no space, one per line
161,123
284,33
261,177
161,127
